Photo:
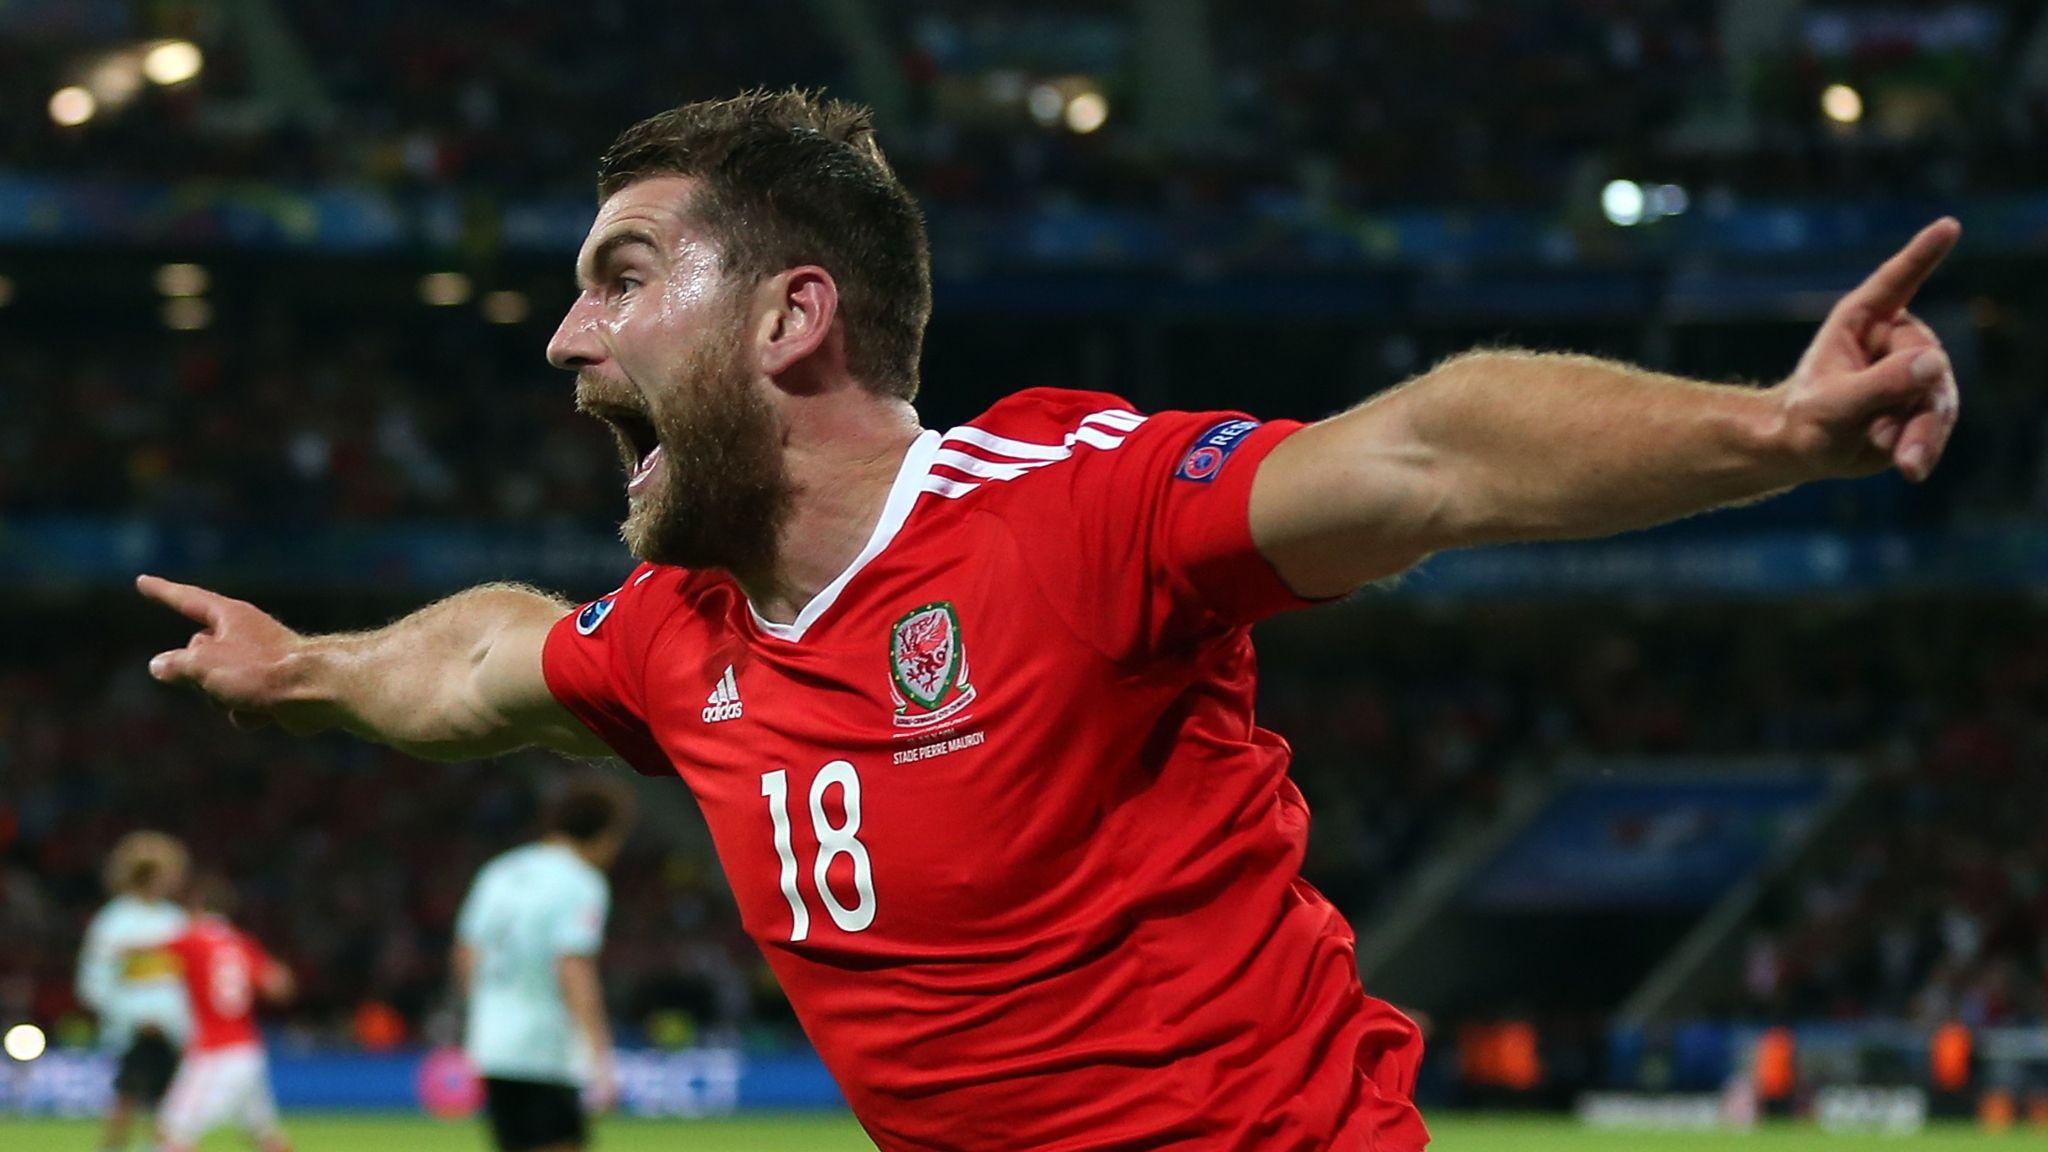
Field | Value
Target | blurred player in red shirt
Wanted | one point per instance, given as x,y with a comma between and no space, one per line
223,1078
969,713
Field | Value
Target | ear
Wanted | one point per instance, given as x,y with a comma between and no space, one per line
796,317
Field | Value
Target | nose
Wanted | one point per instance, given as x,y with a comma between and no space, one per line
575,344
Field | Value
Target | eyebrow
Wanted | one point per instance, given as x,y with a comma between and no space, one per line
586,273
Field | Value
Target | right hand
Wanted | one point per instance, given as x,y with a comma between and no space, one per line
241,657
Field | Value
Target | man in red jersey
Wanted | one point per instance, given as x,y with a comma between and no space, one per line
222,1078
969,712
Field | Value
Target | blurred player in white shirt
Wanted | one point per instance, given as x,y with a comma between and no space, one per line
140,1000
526,956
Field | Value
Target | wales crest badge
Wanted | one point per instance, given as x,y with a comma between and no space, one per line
928,668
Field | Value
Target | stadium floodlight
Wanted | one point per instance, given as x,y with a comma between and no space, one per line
173,62
25,1042
1046,104
183,280
187,313
444,289
1087,112
1842,104
1624,202
72,106
506,306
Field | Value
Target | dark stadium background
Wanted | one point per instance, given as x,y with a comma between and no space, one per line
1604,815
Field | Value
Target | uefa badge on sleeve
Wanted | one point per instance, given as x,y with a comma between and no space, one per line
1213,450
928,668
593,614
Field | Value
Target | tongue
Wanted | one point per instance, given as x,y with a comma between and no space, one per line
648,464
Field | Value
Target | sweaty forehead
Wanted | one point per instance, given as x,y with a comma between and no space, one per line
651,211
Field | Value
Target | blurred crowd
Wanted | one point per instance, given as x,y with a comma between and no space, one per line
520,94
1930,904
299,421
1460,101
1409,726
1935,907
1327,103
307,415
350,862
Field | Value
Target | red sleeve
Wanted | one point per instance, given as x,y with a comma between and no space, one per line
595,659
1161,529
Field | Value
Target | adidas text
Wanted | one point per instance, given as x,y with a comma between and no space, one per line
724,701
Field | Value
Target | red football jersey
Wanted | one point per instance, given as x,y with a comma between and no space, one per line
222,968
996,809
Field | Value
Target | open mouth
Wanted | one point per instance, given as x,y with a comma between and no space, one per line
639,444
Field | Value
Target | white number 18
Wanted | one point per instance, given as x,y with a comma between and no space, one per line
833,842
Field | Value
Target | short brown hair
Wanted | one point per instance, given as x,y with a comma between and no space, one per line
589,808
793,178
141,859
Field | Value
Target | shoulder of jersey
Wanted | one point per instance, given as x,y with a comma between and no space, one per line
1034,433
649,593
649,581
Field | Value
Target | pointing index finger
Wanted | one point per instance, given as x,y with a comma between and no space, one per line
1892,286
194,603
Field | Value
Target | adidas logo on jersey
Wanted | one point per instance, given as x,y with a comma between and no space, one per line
724,701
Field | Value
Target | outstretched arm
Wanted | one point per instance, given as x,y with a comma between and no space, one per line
1493,447
453,681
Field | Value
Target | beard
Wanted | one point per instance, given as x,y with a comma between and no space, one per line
720,494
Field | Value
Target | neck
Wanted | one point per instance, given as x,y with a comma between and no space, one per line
843,450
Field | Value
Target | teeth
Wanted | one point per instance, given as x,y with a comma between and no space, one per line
646,469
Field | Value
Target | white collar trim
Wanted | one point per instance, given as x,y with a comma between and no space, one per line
903,494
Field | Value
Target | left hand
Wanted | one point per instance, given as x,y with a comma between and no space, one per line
1876,390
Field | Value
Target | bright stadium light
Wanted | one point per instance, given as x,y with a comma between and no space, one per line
506,307
1087,112
183,280
444,289
187,314
173,62
1046,104
1623,201
72,106
25,1042
1842,104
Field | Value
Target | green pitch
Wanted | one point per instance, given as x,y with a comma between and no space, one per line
838,1134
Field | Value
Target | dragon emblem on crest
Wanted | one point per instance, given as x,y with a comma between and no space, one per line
928,667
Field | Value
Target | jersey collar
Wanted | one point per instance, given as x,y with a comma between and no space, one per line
903,494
